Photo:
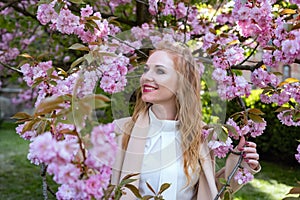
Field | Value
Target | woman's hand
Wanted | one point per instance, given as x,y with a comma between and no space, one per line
249,152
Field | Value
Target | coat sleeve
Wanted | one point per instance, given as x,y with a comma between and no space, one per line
231,162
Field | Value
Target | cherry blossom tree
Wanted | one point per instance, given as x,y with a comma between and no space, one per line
107,40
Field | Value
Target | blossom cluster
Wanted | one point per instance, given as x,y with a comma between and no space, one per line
253,129
254,19
243,176
66,22
79,176
180,12
285,45
220,148
262,78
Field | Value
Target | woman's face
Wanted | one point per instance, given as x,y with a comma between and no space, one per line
159,80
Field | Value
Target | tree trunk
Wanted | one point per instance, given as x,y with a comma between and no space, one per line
142,13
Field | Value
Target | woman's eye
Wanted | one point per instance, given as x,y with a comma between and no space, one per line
160,71
146,69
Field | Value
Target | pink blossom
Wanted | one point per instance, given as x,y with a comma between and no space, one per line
243,176
42,149
181,10
220,75
256,129
297,156
104,147
290,47
220,148
94,186
27,135
87,11
46,13
286,118
153,7
234,55
67,22
66,192
64,173
66,149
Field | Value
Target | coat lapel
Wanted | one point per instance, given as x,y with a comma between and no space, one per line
207,189
134,155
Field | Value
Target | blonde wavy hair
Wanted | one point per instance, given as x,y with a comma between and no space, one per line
188,105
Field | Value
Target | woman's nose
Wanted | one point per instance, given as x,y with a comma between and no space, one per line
148,76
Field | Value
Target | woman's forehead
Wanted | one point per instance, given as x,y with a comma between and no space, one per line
160,58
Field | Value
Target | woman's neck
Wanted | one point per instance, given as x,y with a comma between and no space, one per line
164,112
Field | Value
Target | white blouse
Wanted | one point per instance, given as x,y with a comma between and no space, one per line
163,162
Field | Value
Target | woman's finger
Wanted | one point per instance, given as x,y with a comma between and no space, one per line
251,156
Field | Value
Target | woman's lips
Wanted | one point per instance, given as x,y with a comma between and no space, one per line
149,88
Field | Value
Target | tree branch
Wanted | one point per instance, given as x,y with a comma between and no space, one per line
43,175
236,167
23,11
8,4
141,52
10,67
252,52
248,67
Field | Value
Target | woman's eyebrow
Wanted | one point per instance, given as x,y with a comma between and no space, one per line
156,66
160,66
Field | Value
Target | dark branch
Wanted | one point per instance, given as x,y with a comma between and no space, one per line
23,11
10,67
8,5
230,177
252,52
248,67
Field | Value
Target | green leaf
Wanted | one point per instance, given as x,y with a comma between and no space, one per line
134,190
44,2
221,134
76,62
109,190
147,197
163,187
126,181
130,175
89,58
80,47
222,181
282,108
227,195
77,1
96,100
231,129
296,116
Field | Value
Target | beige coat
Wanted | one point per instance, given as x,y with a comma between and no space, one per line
130,162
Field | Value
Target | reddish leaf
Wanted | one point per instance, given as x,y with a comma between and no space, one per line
255,111
256,118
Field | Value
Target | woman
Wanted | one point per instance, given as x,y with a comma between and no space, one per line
163,141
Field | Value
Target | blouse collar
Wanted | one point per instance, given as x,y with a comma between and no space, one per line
165,125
